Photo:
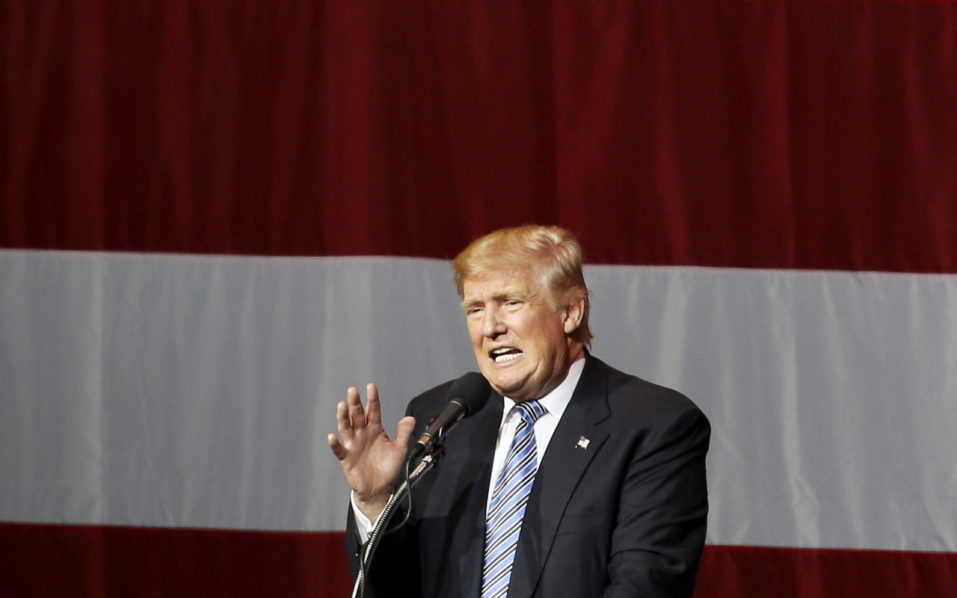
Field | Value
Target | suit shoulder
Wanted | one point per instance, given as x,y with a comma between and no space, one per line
629,392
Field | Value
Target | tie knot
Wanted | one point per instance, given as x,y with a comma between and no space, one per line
530,411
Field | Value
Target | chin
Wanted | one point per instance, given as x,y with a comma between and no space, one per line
505,390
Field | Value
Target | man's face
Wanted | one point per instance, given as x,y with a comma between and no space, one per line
519,339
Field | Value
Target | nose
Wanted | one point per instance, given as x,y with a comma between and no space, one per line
493,325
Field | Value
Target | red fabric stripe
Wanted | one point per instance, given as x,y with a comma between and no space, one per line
53,561
737,571
771,134
47,561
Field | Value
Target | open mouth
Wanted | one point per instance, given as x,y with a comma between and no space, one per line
504,354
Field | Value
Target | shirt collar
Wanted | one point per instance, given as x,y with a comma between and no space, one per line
556,401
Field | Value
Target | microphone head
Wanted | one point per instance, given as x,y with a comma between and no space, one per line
471,391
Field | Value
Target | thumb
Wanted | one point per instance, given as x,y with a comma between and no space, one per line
403,430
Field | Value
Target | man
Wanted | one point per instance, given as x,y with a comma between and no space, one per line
613,501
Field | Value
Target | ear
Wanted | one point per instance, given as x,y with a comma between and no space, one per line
573,314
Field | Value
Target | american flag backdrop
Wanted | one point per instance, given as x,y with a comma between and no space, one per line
216,216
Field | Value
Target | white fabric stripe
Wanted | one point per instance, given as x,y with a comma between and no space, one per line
197,391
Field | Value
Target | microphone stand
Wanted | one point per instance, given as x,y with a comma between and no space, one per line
366,554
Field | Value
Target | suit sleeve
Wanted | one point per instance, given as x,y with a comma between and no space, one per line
394,570
663,507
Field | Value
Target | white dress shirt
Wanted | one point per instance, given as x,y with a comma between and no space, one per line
554,404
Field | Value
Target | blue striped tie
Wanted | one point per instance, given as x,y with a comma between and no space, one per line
503,522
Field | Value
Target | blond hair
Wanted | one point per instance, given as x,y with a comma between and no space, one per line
549,253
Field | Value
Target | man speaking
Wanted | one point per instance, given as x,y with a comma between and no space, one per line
572,479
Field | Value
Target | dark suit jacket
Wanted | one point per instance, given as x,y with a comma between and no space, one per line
624,516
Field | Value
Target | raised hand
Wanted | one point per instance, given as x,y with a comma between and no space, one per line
369,459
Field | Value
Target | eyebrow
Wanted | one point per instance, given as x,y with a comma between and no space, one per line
501,295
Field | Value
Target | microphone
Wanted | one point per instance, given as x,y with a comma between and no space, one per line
467,396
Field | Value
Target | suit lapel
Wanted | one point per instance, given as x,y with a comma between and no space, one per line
576,441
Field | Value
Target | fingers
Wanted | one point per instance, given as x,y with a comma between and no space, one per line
342,420
373,408
352,419
357,415
337,449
